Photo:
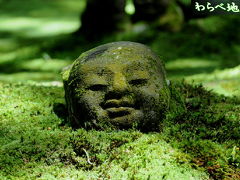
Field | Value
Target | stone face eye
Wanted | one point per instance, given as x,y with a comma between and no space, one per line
97,87
136,82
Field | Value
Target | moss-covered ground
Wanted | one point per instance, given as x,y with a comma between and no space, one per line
198,140
199,137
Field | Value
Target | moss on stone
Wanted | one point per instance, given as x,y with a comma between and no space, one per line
117,85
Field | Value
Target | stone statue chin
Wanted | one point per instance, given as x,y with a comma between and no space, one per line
117,85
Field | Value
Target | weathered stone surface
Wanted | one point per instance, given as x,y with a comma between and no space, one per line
118,85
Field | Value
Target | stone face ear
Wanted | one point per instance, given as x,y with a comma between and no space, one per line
66,72
119,85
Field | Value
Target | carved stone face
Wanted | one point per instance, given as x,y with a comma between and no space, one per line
119,85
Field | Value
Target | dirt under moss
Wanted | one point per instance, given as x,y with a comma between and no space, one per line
199,139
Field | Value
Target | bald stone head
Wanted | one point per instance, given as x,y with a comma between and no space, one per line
119,85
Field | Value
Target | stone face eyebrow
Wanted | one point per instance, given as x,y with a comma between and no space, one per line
139,74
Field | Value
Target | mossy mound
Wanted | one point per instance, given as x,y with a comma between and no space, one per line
199,140
206,126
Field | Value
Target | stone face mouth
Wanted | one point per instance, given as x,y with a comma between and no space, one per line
119,111
118,108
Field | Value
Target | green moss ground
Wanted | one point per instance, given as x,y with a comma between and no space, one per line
200,136
195,141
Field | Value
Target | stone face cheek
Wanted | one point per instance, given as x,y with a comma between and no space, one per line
118,85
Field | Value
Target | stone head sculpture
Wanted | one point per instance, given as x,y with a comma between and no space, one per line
119,85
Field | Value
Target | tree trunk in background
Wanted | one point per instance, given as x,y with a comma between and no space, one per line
101,17
149,10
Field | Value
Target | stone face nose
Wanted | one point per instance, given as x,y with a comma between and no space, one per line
119,83
118,88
